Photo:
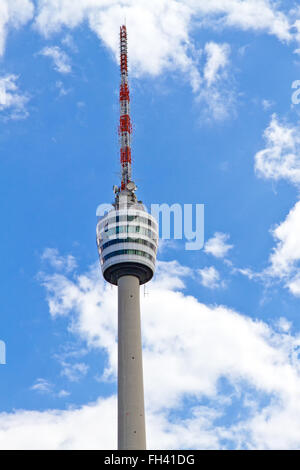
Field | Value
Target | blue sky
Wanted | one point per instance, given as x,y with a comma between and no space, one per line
214,124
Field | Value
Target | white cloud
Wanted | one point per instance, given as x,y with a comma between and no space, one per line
60,59
69,356
257,15
267,104
285,257
156,46
57,429
217,61
280,159
74,372
217,245
62,90
58,262
13,14
176,281
209,277
69,42
294,285
63,394
45,387
247,272
217,90
287,252
84,428
12,103
284,325
42,386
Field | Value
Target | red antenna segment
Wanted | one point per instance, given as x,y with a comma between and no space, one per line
125,127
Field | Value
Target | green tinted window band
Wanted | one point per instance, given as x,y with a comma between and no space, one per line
128,240
128,252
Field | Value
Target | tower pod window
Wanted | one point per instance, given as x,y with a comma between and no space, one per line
129,229
116,241
128,252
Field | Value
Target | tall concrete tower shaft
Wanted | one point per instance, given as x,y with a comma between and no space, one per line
127,240
131,412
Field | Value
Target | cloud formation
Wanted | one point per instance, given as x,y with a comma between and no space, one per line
42,386
58,262
217,59
285,257
217,245
280,159
158,46
13,14
209,277
12,102
217,90
60,59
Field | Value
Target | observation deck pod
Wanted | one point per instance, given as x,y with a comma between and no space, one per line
127,240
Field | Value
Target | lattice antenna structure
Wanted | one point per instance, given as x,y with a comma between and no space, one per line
125,127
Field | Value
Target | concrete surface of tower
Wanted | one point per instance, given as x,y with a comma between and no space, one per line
127,239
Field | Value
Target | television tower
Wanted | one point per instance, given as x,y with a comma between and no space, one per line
127,239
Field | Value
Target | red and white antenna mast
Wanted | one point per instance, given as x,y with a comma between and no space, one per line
125,127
